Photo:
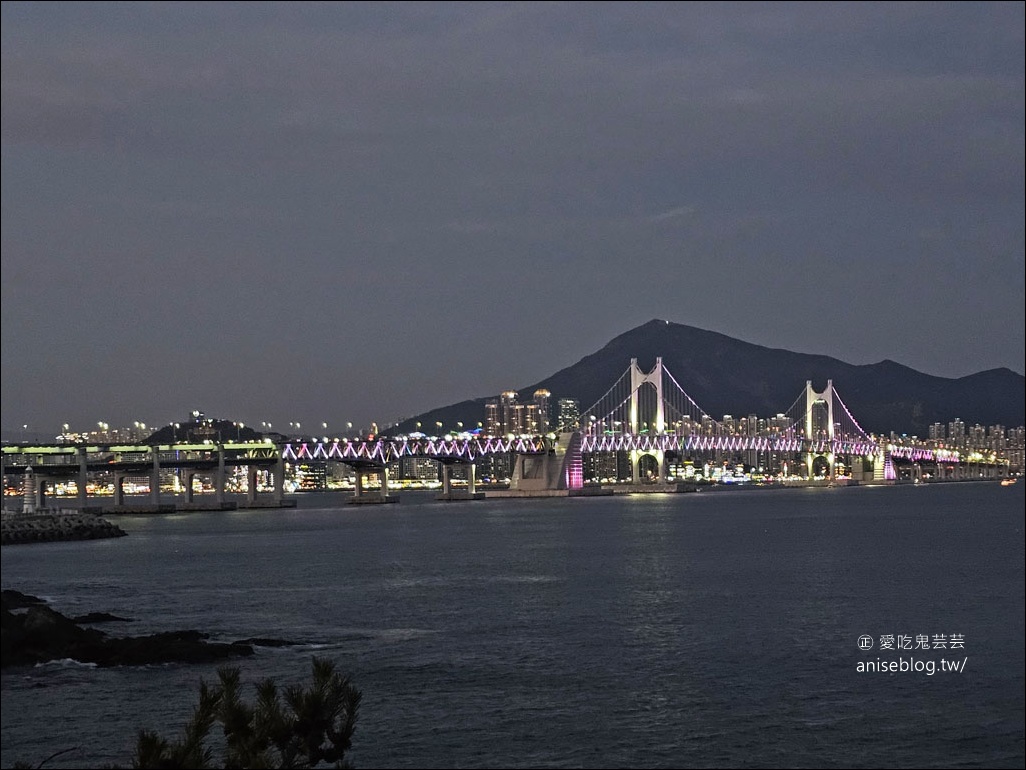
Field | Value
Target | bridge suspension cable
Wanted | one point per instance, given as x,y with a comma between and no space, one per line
849,426
684,412
611,407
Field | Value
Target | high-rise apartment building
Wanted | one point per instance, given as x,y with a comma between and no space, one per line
569,414
538,420
956,432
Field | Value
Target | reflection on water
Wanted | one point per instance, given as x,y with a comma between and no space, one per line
699,629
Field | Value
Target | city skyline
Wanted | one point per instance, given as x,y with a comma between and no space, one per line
491,406
506,416
303,213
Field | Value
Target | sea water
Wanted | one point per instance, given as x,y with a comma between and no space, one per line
707,629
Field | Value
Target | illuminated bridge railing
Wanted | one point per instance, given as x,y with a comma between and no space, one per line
667,443
387,450
917,454
468,450
463,449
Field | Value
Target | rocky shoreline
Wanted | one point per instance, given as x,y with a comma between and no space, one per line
33,633
54,526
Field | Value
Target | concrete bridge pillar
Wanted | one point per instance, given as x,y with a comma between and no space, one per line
660,458
119,488
155,477
810,459
856,468
446,480
83,477
447,492
279,479
219,476
251,484
559,468
364,495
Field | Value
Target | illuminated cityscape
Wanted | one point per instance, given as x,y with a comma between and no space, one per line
508,416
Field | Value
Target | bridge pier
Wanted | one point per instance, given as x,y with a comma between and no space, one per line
279,480
251,484
119,488
155,478
277,493
558,469
364,496
660,458
219,477
83,477
43,503
448,493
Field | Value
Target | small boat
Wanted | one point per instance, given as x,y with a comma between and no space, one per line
1008,482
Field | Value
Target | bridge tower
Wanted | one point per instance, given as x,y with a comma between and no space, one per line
814,399
639,378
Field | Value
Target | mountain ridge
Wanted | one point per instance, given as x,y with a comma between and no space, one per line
725,375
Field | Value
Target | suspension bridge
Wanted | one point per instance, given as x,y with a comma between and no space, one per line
647,417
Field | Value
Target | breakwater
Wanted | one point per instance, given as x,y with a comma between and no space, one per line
53,526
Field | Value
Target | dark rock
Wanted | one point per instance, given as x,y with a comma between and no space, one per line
49,527
43,634
16,600
100,617
169,647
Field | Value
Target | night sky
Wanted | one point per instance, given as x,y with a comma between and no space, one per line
331,213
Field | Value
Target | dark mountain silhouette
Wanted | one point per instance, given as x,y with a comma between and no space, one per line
199,429
727,376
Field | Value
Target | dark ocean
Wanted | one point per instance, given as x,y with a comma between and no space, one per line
708,629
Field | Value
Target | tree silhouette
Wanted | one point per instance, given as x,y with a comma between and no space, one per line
301,728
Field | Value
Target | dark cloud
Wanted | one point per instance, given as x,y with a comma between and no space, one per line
359,211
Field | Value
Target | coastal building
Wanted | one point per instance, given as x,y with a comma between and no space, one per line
569,414
507,415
